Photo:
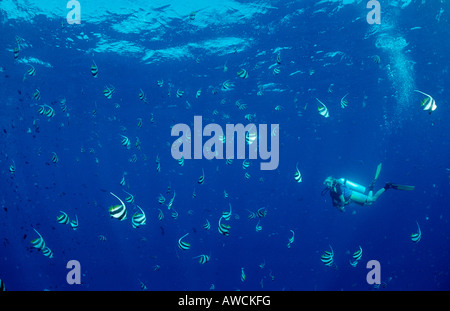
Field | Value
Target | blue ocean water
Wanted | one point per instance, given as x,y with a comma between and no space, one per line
327,49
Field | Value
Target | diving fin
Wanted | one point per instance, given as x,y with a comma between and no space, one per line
399,187
378,172
402,187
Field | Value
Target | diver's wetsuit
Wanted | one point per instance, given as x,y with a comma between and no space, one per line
337,190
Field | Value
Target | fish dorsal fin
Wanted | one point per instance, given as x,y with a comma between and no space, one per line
423,93
118,199
38,233
140,209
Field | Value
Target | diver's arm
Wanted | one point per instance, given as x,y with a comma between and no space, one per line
341,203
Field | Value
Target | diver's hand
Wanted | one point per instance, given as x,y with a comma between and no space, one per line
341,207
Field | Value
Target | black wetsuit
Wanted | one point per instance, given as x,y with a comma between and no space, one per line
336,191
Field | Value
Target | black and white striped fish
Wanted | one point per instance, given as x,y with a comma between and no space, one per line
242,74
47,252
142,96
297,175
31,71
201,179
74,223
207,225
39,242
227,215
180,93
118,211
138,219
202,258
358,254
416,237
328,258
183,245
55,158
94,69
37,95
223,229
108,91
63,218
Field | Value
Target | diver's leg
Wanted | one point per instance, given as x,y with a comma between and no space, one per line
377,173
373,198
358,198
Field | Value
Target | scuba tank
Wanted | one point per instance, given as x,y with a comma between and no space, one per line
352,186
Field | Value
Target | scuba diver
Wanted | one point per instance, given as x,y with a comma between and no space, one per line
344,191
